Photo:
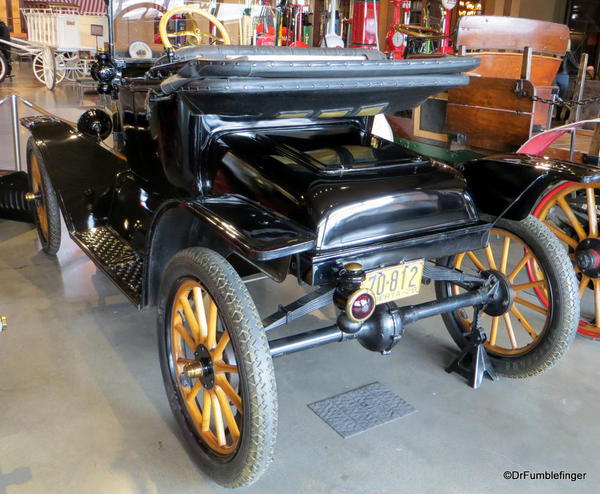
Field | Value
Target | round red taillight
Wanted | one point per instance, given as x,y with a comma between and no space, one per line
360,305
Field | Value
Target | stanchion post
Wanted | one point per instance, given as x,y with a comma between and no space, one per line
14,107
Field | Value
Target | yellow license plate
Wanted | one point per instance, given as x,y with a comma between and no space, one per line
389,284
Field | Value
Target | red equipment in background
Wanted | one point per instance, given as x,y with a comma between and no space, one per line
438,38
446,47
395,40
364,24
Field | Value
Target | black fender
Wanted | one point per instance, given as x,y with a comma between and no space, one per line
234,226
81,170
510,185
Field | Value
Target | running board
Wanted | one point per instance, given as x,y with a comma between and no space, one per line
115,257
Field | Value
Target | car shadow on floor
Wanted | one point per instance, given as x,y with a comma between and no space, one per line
18,476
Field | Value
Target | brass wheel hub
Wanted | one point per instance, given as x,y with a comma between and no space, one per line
202,368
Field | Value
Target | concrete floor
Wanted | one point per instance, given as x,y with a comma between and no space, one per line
82,406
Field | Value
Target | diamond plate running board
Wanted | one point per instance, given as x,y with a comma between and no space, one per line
115,257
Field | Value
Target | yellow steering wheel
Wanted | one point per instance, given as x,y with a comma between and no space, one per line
418,31
196,33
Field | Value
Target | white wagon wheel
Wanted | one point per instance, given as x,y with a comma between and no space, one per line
3,67
45,68
75,67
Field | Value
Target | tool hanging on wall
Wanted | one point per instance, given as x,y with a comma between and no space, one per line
332,39
297,14
246,24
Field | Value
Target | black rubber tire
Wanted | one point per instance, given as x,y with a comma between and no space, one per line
564,317
51,241
258,391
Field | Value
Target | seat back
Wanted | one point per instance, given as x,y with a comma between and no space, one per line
500,42
493,33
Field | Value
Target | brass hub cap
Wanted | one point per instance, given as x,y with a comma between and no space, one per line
515,325
37,195
204,368
571,212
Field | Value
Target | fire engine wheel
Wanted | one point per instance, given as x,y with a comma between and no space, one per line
524,336
571,212
217,367
44,201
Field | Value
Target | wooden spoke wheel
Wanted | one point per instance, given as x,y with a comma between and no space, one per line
207,376
43,201
571,212
45,69
418,31
217,367
524,335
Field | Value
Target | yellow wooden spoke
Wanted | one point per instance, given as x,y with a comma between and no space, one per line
191,396
571,217
221,366
218,351
186,336
531,306
475,260
562,235
199,306
505,250
583,285
184,361
526,258
222,381
490,256
217,419
510,330
525,286
190,318
206,407
213,312
228,413
590,194
524,322
494,330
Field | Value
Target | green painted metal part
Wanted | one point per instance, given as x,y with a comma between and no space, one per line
437,152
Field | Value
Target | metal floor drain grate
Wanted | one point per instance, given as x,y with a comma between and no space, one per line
361,409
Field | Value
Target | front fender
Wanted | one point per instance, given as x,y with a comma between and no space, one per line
510,185
81,170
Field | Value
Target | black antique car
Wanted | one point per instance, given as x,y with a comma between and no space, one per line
231,161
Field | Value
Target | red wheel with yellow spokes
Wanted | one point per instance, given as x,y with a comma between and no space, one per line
217,367
524,335
571,212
